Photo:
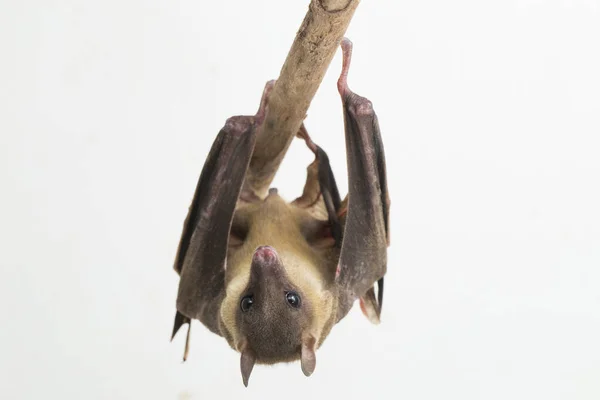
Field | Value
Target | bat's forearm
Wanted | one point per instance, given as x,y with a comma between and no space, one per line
312,51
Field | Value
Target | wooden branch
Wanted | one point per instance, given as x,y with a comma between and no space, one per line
313,49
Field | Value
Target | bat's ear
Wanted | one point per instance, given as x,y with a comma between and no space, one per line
247,361
308,361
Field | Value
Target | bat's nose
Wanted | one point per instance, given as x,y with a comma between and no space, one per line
264,255
267,271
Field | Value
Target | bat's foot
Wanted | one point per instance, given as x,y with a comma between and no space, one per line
264,102
360,106
303,134
342,82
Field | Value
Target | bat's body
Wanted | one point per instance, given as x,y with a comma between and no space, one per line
273,277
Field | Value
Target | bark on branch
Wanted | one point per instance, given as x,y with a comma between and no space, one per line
313,49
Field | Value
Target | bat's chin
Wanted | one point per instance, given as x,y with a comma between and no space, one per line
279,358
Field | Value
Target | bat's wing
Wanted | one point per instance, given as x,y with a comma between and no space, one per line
200,259
202,251
363,259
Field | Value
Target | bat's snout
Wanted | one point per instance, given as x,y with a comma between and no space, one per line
265,255
266,266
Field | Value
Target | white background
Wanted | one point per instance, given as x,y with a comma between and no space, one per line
490,113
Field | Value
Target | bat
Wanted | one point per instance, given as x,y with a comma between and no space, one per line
273,277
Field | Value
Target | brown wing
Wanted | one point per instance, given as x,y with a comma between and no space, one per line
363,259
202,251
200,259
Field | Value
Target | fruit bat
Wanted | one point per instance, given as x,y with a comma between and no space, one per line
273,277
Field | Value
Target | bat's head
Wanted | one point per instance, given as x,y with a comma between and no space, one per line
280,309
274,311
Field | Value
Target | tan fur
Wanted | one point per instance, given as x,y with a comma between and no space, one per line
276,223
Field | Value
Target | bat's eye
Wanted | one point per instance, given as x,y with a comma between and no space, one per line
246,303
293,299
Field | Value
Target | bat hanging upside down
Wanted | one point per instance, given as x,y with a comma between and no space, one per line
273,277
